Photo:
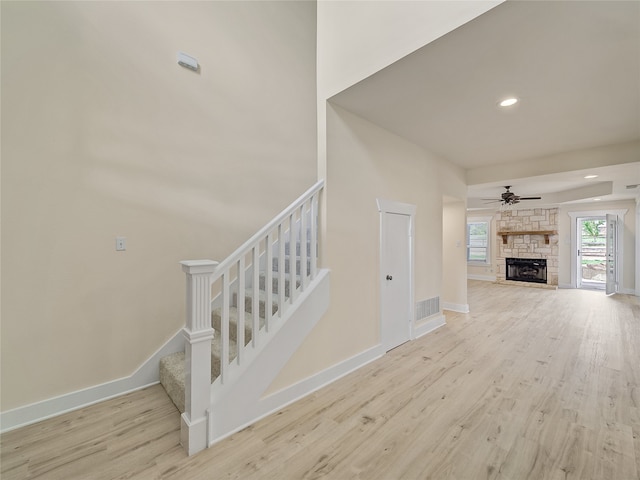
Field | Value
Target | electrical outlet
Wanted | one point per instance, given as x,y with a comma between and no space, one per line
121,244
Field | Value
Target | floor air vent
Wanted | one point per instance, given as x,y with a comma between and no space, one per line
427,308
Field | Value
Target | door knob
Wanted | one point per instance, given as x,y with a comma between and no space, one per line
389,277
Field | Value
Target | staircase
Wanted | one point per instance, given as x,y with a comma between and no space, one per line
172,367
245,317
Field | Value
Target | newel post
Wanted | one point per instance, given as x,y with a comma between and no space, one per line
198,334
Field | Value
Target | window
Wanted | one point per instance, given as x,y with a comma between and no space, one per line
478,230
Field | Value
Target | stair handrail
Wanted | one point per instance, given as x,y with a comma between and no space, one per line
246,247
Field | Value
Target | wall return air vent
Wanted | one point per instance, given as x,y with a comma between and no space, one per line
427,308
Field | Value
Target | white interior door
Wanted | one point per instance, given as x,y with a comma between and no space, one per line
395,269
612,254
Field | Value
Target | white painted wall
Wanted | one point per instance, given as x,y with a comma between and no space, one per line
454,255
103,134
454,229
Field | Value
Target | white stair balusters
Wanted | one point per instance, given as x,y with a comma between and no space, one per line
281,268
255,300
241,309
303,248
313,237
268,283
224,325
292,255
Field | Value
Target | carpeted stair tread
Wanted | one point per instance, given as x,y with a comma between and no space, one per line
216,353
216,323
287,264
287,247
262,301
172,374
172,378
275,284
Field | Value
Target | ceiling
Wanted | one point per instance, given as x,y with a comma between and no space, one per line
575,66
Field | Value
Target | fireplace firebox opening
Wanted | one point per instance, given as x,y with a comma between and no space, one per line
527,270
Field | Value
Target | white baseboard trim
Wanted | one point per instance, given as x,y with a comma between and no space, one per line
147,374
456,307
282,398
624,291
297,391
429,326
484,278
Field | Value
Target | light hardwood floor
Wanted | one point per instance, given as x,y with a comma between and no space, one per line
532,384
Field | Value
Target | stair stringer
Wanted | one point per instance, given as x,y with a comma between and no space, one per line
239,401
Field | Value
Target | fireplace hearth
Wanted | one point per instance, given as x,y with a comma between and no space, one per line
532,270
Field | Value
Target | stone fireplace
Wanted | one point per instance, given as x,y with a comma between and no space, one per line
527,247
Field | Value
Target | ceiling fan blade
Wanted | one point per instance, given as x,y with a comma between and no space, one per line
491,201
530,198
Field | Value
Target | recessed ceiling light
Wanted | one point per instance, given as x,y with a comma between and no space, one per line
590,176
596,199
507,102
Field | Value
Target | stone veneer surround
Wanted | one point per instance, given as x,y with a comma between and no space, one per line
527,246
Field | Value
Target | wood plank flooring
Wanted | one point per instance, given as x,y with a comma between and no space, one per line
532,384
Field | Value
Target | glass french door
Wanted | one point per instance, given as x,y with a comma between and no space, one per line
592,252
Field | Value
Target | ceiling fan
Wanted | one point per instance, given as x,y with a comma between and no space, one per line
510,198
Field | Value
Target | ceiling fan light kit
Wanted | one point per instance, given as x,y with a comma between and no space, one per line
509,198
